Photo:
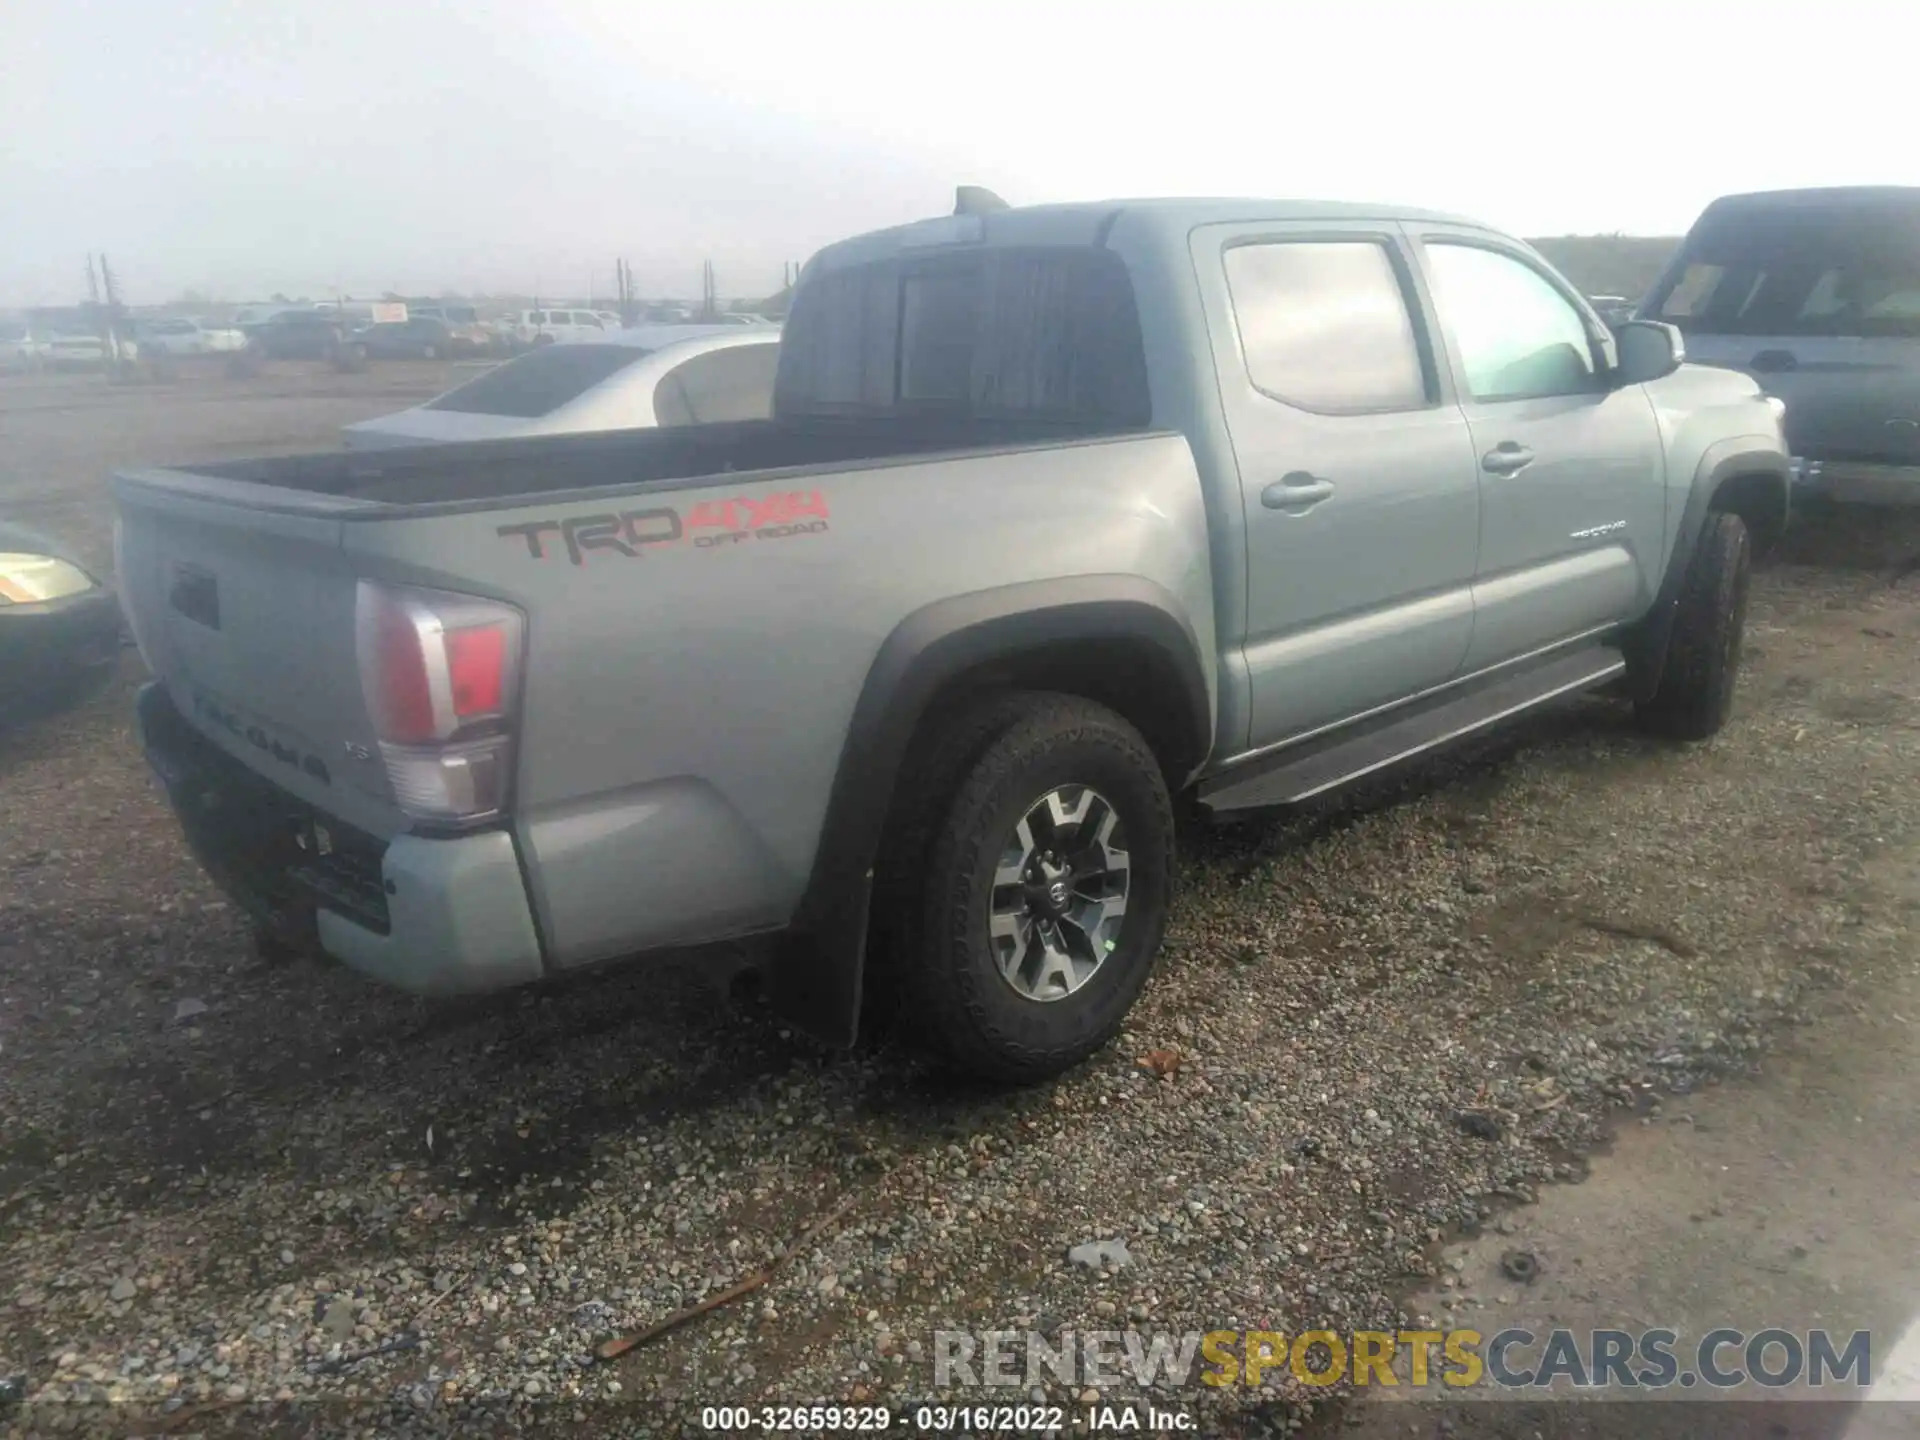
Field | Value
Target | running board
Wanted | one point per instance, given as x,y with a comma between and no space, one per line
1313,767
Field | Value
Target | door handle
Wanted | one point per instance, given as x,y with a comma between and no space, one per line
1506,458
1290,492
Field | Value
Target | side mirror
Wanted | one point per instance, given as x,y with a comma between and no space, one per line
1648,350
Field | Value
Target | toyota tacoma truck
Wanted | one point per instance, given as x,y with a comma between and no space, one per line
1062,512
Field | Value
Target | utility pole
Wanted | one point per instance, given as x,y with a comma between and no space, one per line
709,293
93,281
623,276
112,292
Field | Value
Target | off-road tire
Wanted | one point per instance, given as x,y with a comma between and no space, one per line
930,774
954,991
1694,696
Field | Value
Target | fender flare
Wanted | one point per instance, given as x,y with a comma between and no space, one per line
1646,646
817,972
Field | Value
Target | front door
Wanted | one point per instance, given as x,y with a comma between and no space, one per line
1357,473
1572,468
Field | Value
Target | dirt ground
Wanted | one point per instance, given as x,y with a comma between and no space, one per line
272,1198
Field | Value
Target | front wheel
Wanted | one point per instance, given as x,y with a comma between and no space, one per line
1694,697
1045,894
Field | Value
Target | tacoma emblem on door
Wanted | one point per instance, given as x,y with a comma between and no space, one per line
1596,531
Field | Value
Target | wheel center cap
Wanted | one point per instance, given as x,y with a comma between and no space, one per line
1057,894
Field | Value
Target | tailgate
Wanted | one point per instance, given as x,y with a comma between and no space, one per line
247,613
1847,398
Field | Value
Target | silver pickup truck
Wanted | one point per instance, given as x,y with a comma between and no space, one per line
1062,511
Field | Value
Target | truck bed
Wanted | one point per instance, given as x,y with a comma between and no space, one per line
502,469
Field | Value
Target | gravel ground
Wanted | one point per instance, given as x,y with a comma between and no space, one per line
240,1197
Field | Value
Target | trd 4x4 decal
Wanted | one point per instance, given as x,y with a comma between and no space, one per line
711,524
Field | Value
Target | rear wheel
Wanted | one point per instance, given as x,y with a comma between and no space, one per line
1694,696
1043,893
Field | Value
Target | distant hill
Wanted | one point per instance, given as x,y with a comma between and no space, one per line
1609,264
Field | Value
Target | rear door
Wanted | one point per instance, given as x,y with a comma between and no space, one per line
1357,478
1571,468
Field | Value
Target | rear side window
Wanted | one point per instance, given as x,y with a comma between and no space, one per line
1324,325
731,384
539,382
1799,270
1042,332
536,317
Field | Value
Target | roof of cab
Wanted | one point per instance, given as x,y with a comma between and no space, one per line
1087,222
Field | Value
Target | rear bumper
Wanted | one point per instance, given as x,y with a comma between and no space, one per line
430,916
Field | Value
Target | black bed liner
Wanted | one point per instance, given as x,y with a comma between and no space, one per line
439,474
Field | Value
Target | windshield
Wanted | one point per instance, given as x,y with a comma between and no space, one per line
540,382
1801,272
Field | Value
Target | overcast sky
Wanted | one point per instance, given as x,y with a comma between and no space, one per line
238,147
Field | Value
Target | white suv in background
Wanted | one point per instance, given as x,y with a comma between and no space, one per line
174,336
545,327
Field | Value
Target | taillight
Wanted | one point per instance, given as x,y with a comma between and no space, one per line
440,673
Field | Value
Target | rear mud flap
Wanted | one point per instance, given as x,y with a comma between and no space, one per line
817,967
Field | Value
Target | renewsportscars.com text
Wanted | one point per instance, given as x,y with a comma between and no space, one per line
1656,1359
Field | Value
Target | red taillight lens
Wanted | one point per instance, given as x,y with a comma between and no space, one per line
477,670
440,676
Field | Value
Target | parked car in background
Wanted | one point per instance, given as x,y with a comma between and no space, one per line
186,337
610,319
246,317
547,327
627,379
1061,512
76,349
19,349
418,337
59,626
1816,294
298,335
467,332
